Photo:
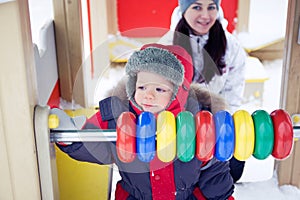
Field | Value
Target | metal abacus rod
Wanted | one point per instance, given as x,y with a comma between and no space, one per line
98,135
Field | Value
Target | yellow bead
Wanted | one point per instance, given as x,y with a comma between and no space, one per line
53,121
296,119
244,135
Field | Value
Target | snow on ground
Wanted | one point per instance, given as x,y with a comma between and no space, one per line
266,190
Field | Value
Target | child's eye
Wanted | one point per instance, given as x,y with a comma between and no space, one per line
141,88
160,90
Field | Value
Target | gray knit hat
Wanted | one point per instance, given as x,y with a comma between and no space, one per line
185,4
156,59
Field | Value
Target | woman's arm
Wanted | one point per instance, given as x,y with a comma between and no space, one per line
233,90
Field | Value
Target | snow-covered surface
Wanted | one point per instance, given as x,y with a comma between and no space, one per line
272,86
266,190
41,11
264,28
255,69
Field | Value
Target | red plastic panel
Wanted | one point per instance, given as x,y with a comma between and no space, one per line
150,18
54,98
230,8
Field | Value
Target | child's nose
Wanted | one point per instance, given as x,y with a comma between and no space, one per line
149,94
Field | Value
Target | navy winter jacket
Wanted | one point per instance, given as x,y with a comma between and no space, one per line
156,180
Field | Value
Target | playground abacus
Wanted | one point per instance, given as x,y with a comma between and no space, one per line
185,136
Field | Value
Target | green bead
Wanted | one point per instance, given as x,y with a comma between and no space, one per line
264,134
186,133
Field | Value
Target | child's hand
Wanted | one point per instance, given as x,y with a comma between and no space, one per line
64,122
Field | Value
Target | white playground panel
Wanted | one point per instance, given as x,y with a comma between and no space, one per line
46,64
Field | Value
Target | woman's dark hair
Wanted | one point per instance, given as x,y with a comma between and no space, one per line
215,46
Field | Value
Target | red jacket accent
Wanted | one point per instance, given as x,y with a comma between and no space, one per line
198,194
162,180
231,198
97,121
120,193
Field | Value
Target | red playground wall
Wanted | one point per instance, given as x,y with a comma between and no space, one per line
230,8
152,18
137,18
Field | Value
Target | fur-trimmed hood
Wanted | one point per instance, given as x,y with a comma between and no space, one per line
202,95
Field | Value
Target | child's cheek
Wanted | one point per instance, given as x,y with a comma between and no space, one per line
137,98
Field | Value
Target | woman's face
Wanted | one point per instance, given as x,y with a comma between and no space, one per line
153,92
201,16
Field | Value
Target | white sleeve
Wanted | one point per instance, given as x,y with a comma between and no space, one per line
235,82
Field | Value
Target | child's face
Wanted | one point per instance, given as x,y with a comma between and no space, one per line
153,92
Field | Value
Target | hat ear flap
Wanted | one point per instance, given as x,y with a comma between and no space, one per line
130,89
130,86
